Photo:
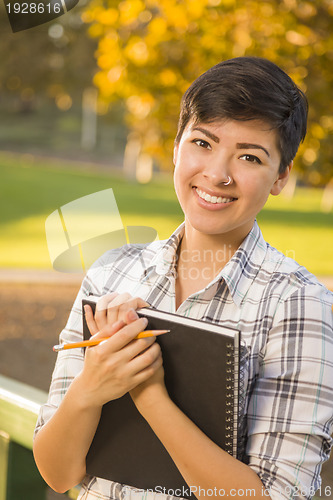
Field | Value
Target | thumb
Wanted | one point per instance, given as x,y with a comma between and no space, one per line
90,320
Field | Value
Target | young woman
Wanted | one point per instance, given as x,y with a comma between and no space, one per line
240,126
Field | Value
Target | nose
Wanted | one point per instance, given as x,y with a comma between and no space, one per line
217,171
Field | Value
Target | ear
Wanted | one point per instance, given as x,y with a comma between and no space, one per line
175,153
281,181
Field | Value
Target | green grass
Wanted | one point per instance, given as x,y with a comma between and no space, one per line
30,191
299,229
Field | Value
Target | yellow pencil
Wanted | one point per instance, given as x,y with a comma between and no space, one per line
90,343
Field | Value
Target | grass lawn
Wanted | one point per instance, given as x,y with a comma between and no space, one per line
31,191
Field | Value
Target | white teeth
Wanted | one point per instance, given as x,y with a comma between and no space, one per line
212,199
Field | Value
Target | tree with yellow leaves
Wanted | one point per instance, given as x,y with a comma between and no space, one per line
149,51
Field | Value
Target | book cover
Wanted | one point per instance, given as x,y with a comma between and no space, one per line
201,365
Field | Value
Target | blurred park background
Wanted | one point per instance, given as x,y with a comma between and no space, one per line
90,101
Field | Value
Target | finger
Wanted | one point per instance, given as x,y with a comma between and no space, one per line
127,309
102,303
119,308
102,309
101,312
126,298
126,334
114,306
121,297
137,346
91,323
130,315
149,370
145,358
108,331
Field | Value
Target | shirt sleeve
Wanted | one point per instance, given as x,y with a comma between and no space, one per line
290,414
69,363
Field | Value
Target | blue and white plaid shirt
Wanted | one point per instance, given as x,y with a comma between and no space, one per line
286,322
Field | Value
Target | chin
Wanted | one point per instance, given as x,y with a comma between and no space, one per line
204,228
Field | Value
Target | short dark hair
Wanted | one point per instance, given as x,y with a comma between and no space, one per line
247,88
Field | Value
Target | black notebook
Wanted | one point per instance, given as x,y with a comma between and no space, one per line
201,365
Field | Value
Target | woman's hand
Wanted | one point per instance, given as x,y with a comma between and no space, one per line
120,363
111,308
113,312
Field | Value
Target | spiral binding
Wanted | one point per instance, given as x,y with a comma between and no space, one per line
229,399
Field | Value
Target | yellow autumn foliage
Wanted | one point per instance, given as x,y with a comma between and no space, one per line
149,51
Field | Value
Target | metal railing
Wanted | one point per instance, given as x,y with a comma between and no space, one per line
19,476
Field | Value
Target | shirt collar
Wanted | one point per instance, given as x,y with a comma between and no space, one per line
242,269
164,261
238,274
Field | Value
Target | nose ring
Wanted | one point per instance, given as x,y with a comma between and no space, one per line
229,181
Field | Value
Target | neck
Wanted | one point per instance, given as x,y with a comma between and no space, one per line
201,257
218,247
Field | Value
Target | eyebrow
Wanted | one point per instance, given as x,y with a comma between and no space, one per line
239,145
209,134
246,145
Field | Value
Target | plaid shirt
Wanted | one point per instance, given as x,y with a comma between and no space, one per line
285,318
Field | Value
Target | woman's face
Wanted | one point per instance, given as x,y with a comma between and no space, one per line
206,155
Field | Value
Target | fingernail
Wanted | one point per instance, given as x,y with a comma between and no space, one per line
132,315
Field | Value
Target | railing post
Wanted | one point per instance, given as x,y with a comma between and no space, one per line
19,406
23,478
19,476
4,445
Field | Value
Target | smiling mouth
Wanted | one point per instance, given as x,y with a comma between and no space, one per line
213,199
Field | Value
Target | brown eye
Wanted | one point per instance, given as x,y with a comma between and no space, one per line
201,143
251,159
